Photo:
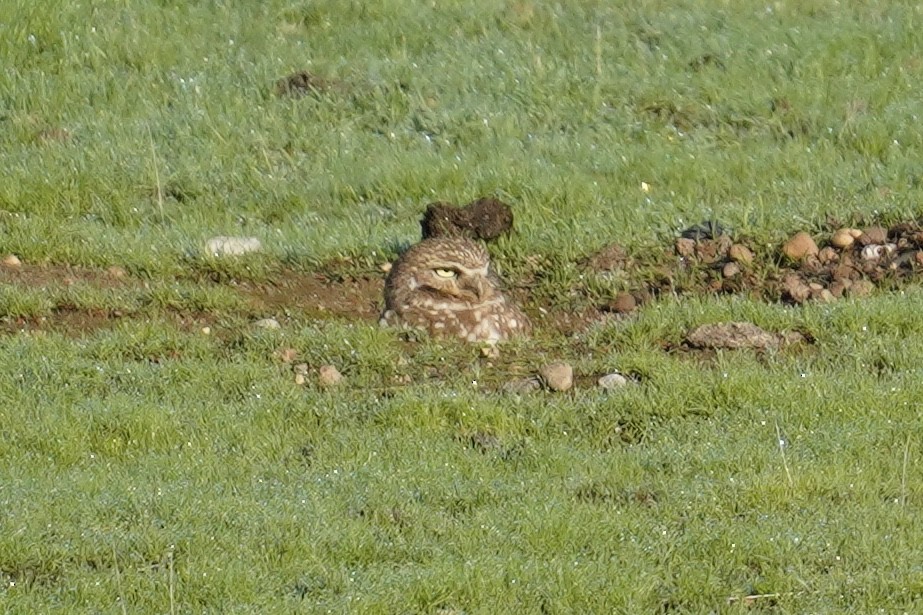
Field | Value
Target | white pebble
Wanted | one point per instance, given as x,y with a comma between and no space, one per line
611,381
232,246
268,323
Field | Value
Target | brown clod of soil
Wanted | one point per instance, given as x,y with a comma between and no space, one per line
329,376
301,83
874,234
685,247
622,303
485,219
609,258
738,335
795,289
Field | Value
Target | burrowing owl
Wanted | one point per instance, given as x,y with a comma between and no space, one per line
445,285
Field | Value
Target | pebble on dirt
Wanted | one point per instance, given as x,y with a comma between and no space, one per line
232,246
843,239
740,253
557,376
800,246
12,261
730,270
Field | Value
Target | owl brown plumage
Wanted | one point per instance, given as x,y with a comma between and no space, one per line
445,285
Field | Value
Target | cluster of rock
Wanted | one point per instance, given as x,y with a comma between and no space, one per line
849,262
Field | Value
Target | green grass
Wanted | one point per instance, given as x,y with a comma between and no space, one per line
148,467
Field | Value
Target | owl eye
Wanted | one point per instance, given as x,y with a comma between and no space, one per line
445,273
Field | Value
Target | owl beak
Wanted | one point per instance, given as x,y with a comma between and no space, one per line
480,287
477,285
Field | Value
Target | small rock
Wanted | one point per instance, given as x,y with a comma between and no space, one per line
842,239
611,381
918,258
823,295
328,376
301,368
733,335
622,303
522,386
12,261
557,376
874,234
270,324
300,379
861,288
385,267
730,270
685,247
799,246
490,352
206,330
232,246
827,255
815,286
740,253
845,271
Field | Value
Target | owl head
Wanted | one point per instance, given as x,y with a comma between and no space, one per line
451,270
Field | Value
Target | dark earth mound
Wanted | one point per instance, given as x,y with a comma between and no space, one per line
485,218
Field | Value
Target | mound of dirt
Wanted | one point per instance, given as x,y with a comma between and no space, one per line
302,83
485,218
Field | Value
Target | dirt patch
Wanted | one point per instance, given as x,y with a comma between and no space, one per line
302,83
44,276
318,295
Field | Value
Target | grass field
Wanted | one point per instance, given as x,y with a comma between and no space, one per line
157,454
